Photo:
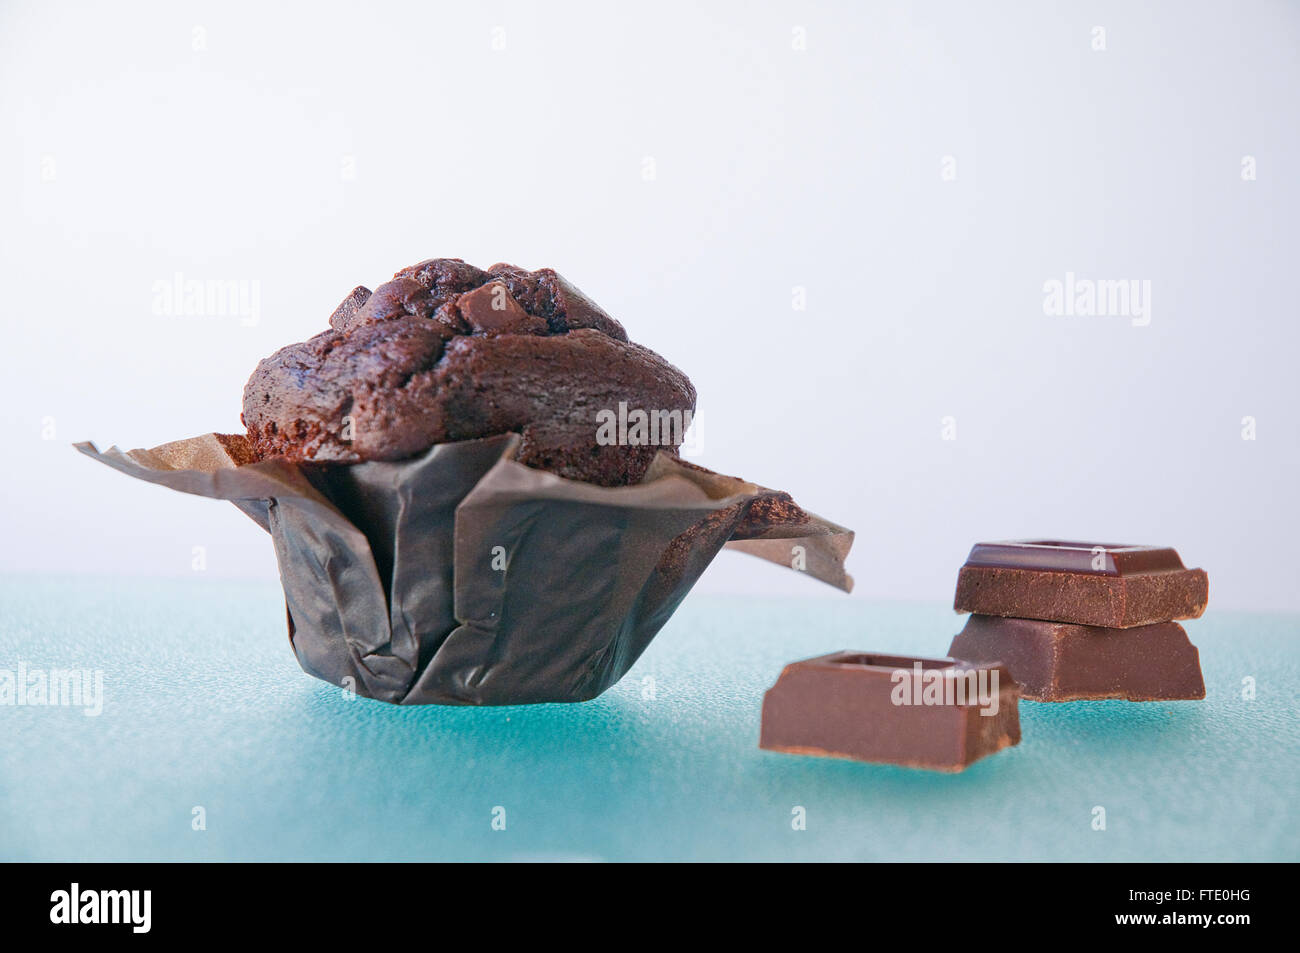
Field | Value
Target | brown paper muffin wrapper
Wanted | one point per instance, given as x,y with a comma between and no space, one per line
461,577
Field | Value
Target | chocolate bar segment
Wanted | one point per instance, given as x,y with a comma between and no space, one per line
921,712
1098,584
1108,559
1059,662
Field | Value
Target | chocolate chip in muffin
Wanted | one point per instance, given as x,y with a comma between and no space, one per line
490,310
349,306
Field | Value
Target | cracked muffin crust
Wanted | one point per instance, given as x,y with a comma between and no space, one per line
446,351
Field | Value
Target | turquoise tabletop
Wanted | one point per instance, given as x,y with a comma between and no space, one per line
211,744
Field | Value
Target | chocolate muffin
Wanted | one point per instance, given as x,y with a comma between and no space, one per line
446,351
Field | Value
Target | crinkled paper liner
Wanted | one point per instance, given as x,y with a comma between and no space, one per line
461,577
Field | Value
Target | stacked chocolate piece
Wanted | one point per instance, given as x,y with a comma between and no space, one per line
1077,621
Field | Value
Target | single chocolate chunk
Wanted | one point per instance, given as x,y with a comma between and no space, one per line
922,712
1061,662
349,306
490,310
1105,584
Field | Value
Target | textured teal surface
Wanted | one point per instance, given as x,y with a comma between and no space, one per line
205,706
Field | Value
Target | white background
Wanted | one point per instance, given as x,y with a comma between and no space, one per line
310,149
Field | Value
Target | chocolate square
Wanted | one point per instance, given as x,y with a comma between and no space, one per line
1102,584
932,713
1059,662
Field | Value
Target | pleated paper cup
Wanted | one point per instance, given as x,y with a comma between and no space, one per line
461,577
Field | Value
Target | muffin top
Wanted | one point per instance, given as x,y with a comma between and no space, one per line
446,351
